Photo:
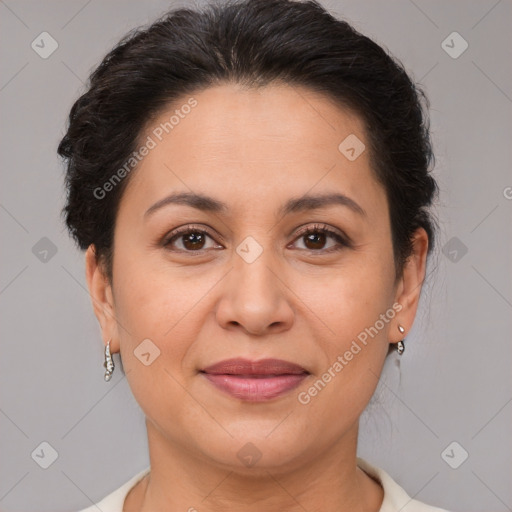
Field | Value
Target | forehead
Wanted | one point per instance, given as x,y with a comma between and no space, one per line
250,144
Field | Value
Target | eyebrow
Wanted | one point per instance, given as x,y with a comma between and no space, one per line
294,205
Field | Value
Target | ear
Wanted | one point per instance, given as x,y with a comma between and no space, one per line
102,299
409,286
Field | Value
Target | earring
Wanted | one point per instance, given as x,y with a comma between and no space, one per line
400,346
109,362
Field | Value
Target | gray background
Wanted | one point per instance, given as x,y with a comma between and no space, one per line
455,378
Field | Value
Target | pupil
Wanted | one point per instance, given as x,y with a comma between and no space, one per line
194,239
312,236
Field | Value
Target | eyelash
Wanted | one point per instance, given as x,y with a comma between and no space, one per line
317,228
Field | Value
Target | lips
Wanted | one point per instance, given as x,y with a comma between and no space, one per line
263,367
255,381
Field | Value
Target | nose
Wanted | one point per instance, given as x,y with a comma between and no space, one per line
255,298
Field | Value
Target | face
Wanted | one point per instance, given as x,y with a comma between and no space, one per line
261,270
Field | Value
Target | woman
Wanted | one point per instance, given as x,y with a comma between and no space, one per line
251,183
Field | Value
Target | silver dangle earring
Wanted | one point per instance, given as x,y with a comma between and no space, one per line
400,346
109,363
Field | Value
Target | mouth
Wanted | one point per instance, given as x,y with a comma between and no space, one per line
255,381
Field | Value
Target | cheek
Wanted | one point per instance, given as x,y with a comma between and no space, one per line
150,299
147,306
157,301
357,310
339,393
351,299
155,334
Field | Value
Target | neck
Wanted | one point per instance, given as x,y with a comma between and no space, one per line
181,480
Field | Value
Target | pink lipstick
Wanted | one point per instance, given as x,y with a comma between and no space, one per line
255,381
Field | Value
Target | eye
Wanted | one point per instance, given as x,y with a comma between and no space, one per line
315,238
192,239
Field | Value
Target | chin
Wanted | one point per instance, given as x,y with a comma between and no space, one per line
251,453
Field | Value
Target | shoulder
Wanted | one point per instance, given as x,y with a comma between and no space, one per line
114,501
395,498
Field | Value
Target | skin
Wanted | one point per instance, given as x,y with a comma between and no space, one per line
253,149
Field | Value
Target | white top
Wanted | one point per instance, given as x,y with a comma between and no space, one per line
395,498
